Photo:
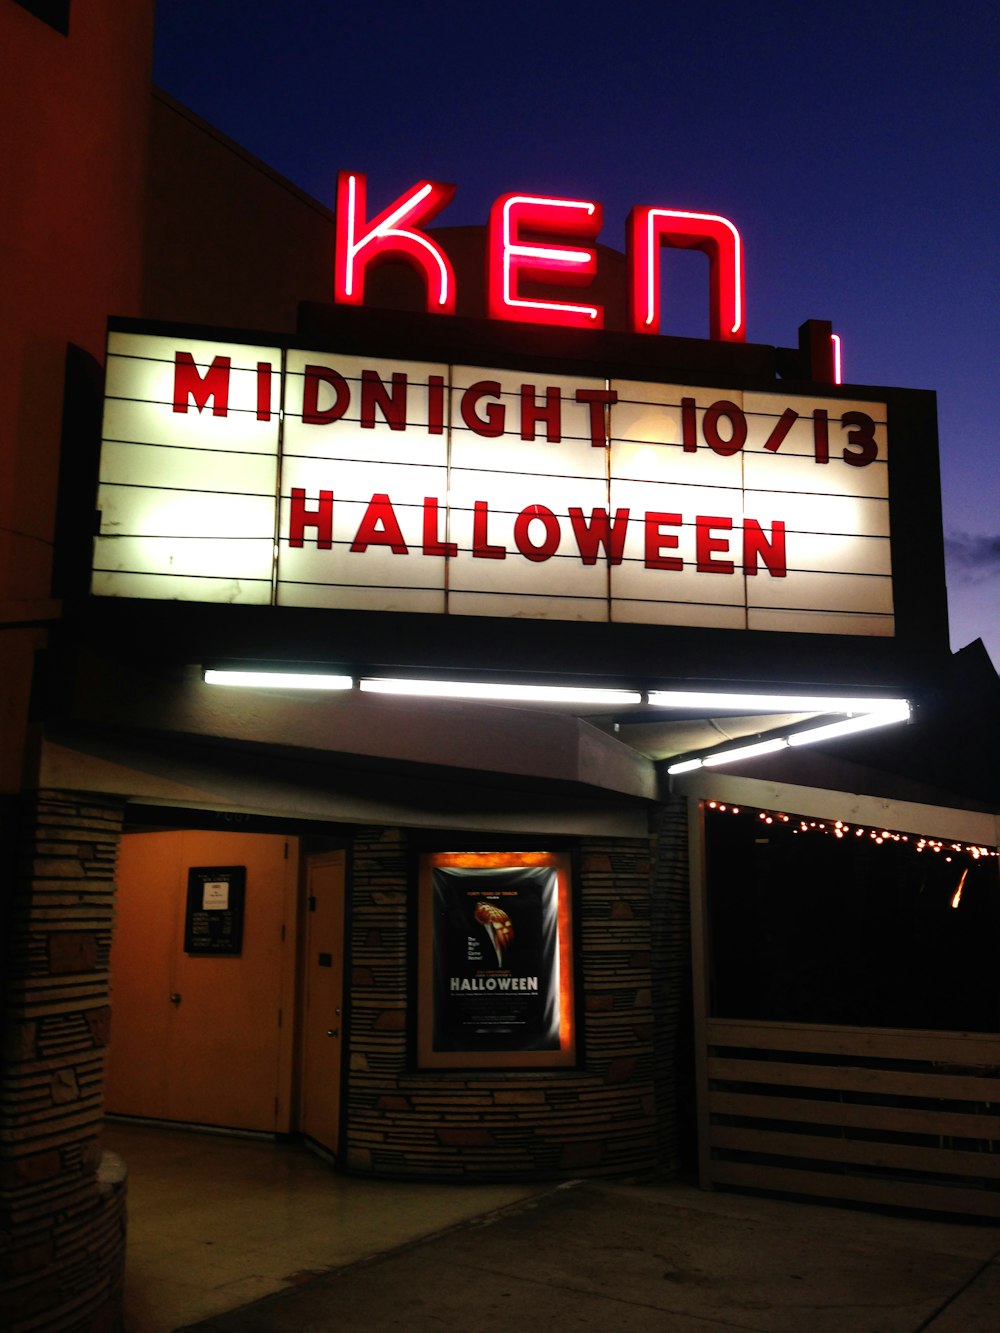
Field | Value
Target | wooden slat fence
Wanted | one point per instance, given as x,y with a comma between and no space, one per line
873,1116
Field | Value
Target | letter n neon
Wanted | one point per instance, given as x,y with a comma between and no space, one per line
649,229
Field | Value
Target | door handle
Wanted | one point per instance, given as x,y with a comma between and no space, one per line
175,998
333,1032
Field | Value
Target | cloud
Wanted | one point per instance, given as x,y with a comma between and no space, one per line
972,557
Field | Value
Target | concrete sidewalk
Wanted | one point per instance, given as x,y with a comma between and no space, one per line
615,1257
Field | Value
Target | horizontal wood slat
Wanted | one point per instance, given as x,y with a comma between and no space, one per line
898,1119
847,1078
857,1189
946,1161
964,1049
885,1133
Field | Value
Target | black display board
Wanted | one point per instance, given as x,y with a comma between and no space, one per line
213,921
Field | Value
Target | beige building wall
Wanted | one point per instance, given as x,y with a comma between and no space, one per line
229,242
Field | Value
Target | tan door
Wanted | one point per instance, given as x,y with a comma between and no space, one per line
322,1019
202,1039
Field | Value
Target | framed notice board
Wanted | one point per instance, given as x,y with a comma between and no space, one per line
213,921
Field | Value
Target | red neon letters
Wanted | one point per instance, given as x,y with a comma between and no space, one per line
359,243
509,253
651,228
522,245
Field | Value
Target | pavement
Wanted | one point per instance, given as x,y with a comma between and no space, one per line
615,1256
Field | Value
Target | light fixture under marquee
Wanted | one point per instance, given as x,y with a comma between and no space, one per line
860,715
499,691
277,680
766,703
856,714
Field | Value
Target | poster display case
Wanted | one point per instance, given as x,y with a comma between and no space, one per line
495,960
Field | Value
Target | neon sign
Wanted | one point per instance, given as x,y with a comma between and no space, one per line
393,231
510,217
651,228
514,250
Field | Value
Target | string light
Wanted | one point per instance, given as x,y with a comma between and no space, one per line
876,834
958,892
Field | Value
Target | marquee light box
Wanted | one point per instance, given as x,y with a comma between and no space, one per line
244,473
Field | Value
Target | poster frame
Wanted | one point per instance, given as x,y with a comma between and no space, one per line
428,997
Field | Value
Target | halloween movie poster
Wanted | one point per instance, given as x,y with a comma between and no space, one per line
496,958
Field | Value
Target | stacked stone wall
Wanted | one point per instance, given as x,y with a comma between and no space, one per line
599,1118
62,1217
671,945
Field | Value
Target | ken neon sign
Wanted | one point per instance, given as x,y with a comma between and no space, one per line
539,239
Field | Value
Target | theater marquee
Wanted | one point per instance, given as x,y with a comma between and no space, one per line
258,474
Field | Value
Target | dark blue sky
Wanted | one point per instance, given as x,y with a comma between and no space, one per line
857,148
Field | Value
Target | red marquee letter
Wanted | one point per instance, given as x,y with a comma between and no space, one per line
769,549
707,546
597,400
508,256
432,543
651,228
532,412
321,519
379,527
188,383
312,413
549,544
391,403
263,391
360,243
658,541
601,531
482,547
491,423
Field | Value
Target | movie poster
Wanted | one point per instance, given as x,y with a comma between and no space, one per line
496,960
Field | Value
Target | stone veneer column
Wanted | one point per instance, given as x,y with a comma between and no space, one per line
671,944
62,1212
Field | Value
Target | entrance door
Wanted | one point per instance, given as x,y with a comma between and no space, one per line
196,1038
322,1019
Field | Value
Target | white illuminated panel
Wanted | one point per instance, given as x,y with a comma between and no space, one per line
526,404
377,557
774,467
522,502
322,480
372,436
189,466
338,391
560,585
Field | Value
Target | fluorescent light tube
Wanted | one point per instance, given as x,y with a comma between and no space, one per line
685,766
744,752
278,680
767,703
500,691
849,726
